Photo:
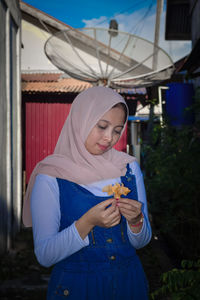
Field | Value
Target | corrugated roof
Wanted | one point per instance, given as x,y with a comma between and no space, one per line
57,83
52,83
38,77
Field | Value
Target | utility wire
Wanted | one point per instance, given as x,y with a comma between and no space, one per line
135,26
121,12
142,19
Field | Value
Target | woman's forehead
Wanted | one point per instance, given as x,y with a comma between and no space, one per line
115,113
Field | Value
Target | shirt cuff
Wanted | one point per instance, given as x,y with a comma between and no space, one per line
82,242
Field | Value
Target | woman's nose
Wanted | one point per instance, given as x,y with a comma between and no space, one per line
108,136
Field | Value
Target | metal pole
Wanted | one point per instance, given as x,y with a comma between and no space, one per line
157,33
154,64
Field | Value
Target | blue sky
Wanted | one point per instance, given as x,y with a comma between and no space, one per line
73,12
136,17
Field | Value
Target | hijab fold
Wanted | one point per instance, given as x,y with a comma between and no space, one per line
71,160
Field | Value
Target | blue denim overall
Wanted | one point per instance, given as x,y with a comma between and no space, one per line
108,268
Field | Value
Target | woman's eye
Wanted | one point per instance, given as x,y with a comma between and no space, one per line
117,132
101,127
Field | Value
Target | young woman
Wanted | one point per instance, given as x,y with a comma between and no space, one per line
90,237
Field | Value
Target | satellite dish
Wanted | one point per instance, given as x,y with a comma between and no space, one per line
108,57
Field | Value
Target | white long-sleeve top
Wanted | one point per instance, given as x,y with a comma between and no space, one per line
50,245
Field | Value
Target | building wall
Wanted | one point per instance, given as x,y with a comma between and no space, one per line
10,123
195,30
44,122
33,56
195,20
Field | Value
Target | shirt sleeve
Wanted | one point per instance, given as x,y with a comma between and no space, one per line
139,240
50,245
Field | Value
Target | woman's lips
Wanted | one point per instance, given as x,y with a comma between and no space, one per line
102,147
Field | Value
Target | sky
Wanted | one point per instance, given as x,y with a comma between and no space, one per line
133,16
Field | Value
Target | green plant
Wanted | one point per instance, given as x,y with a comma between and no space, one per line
180,284
172,176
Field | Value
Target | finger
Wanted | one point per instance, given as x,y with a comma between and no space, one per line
132,202
129,210
111,212
116,222
106,203
127,200
128,207
112,219
128,214
117,218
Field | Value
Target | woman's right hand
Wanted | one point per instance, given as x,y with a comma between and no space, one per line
105,214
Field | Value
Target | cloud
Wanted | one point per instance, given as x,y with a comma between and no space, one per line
96,22
142,24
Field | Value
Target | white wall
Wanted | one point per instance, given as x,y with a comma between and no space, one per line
33,56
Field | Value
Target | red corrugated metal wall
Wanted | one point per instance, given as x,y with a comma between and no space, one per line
44,122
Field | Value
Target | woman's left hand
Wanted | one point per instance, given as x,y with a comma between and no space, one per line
130,209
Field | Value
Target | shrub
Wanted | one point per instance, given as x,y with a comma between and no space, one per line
172,179
180,284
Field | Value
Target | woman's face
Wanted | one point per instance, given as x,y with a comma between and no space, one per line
106,132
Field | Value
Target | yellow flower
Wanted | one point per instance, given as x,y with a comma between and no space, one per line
117,190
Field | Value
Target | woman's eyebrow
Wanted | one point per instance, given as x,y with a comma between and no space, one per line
101,120
110,123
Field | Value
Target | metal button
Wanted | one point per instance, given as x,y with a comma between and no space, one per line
112,257
109,240
66,293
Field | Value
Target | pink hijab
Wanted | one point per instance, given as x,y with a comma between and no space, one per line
70,159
